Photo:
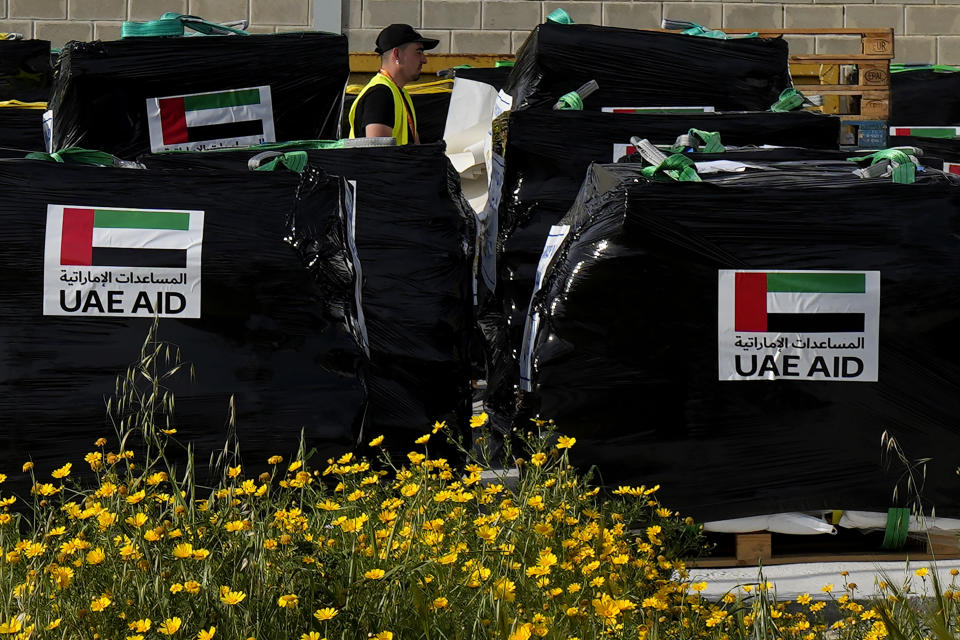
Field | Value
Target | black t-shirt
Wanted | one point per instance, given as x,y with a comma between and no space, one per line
376,107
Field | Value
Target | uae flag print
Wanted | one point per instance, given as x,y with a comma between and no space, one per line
783,302
231,118
118,238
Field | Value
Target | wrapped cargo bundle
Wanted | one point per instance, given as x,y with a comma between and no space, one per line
21,130
157,94
924,96
945,149
546,157
25,71
415,237
744,341
253,282
647,68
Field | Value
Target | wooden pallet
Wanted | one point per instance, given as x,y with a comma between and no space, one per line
761,547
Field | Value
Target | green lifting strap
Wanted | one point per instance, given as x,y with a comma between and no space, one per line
710,141
296,161
789,100
676,167
703,32
900,68
898,526
559,16
175,24
570,102
78,156
904,170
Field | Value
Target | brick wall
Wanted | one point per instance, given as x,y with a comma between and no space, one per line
927,30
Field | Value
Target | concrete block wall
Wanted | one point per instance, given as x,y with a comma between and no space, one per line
927,31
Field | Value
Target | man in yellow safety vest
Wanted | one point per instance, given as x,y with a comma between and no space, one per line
384,108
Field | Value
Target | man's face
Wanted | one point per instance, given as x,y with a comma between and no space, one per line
411,59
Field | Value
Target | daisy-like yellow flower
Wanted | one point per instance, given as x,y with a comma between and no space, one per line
423,439
376,442
437,426
327,613
27,466
140,626
14,626
921,572
233,472
827,588
99,604
96,556
170,626
804,598
538,459
137,497
275,460
313,635
563,442
183,550
206,634
478,420
168,432
62,472
137,520
440,603
230,597
53,625
374,574
383,635
288,601
698,586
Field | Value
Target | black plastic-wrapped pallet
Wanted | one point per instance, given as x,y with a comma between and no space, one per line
150,94
647,68
21,131
665,343
253,281
946,149
924,97
25,71
547,155
415,240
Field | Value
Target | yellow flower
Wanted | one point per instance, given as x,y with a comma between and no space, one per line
921,572
183,550
233,472
134,498
504,589
99,604
140,626
168,432
296,464
96,556
804,598
827,588
423,439
409,490
94,459
383,635
176,587
62,576
231,598
439,603
53,625
62,472
137,520
27,466
170,626
275,460
313,635
192,586
288,601
698,586
206,634
13,626
200,554
376,442
415,458
374,574
538,459
325,614
478,420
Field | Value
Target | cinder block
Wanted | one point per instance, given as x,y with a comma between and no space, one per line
752,16
261,28
97,9
106,31
451,14
144,10
38,9
3,8
875,16
581,12
838,45
932,20
17,26
511,14
905,2
61,32
353,14
801,44
292,28
220,10
480,41
812,16
443,35
632,15
948,50
517,38
362,40
916,49
380,13
295,12
786,2
707,14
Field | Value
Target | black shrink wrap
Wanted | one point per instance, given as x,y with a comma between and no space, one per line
647,68
547,155
626,355
25,71
945,149
276,301
21,131
415,238
103,90
924,97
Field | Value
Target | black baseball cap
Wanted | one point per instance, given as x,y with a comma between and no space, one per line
398,34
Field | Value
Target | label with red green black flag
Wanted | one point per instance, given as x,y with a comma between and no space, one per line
122,262
798,325
212,120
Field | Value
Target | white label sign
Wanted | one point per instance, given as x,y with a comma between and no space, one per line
105,261
798,325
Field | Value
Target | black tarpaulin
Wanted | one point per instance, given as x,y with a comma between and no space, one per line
132,96
628,357
415,239
924,97
21,130
274,292
647,68
945,149
25,72
546,157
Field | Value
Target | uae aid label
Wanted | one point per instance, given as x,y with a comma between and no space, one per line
198,121
106,261
798,325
